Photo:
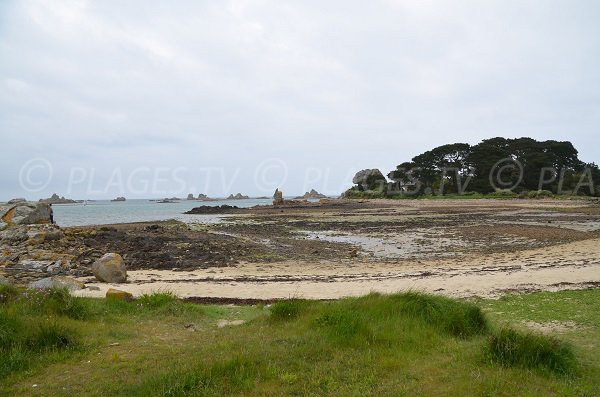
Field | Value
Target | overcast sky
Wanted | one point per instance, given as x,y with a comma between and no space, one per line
153,99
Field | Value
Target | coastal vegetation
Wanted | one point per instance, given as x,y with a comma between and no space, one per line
497,167
401,344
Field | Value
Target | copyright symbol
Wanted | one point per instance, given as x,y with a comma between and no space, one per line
35,175
270,174
506,174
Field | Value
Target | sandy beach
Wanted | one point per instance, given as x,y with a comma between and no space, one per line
458,248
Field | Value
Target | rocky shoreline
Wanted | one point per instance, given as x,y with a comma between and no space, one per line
280,247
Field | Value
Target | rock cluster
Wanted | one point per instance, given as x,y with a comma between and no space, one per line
119,199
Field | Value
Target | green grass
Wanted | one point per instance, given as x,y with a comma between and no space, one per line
525,349
386,345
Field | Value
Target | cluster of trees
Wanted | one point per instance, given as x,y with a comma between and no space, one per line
517,165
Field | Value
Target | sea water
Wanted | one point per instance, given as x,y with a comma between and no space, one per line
109,212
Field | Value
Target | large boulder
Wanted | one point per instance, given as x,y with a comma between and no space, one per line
370,179
110,269
20,212
57,282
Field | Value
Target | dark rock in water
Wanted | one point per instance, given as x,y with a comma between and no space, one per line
207,209
119,199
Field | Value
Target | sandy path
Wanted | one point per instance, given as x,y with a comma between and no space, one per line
564,266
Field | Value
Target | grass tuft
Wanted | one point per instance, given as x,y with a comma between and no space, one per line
288,309
8,293
457,318
512,348
54,301
157,300
51,336
345,326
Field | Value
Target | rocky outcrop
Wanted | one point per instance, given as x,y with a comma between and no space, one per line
20,212
119,199
208,209
110,269
278,197
55,199
370,179
313,194
201,197
238,196
118,294
57,282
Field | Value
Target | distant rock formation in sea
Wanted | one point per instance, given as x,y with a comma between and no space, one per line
238,196
55,199
313,194
168,200
119,199
201,197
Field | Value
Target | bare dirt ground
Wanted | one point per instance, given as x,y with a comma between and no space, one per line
342,248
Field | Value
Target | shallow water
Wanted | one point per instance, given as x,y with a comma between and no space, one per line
108,212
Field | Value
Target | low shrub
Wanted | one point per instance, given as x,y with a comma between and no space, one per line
538,194
524,349
503,193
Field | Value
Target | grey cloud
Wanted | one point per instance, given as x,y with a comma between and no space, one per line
332,85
